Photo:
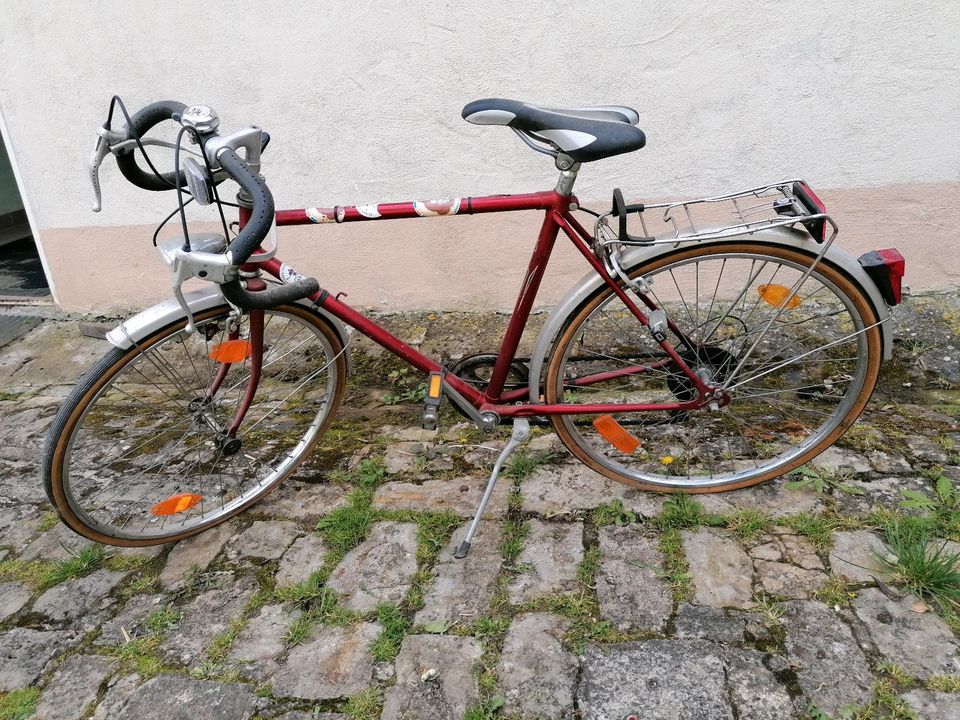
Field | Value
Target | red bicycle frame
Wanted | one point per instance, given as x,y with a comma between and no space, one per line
557,216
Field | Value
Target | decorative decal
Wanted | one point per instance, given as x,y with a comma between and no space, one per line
431,208
340,213
317,216
288,274
368,211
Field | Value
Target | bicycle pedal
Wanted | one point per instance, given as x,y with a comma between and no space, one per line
431,403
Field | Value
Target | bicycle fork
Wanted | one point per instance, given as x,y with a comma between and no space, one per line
520,435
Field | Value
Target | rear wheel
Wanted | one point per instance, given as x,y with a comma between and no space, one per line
135,455
799,371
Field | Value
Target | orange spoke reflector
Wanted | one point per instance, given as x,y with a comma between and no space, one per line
776,295
176,504
231,351
615,434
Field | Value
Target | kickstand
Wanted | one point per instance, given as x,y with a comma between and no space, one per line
521,433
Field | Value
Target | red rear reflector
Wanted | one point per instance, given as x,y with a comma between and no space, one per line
886,268
615,434
176,504
231,351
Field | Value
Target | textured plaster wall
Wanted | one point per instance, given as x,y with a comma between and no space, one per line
363,101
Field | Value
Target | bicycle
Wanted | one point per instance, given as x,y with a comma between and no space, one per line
701,359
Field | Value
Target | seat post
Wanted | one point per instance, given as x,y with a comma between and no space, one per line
567,179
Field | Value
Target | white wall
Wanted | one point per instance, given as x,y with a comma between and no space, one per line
363,98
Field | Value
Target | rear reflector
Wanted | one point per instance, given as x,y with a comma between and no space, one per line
231,351
815,206
886,269
615,434
176,504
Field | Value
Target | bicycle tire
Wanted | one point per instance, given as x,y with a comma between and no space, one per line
91,387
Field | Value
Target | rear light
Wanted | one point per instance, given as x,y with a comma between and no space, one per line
885,268
815,206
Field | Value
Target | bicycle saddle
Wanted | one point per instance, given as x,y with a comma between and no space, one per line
583,133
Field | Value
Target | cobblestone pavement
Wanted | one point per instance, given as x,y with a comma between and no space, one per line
580,599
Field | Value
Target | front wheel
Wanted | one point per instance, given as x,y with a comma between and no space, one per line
140,453
799,370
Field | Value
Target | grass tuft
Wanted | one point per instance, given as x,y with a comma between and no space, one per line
84,562
19,704
835,592
365,705
921,566
681,511
394,624
523,463
944,683
748,523
676,571
347,526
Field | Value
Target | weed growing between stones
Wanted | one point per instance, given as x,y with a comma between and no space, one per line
681,511
748,523
18,704
676,571
943,506
83,563
486,710
821,481
835,592
48,521
817,528
395,625
522,463
28,572
366,705
944,683
886,703
924,567
613,513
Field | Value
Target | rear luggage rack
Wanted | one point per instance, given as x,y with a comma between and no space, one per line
782,204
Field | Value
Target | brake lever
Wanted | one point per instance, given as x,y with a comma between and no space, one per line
106,139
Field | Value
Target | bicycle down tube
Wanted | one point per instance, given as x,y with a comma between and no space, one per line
557,217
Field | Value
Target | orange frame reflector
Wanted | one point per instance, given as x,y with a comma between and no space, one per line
615,434
231,351
436,383
776,294
176,504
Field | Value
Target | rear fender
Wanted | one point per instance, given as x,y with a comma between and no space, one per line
782,236
145,323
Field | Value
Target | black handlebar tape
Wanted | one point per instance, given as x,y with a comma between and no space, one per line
271,297
140,124
262,212
250,238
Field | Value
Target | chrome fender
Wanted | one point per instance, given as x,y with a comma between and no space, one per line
147,322
782,236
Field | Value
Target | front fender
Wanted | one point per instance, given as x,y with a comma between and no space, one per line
145,323
783,236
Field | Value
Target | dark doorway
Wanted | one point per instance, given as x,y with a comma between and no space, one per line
21,272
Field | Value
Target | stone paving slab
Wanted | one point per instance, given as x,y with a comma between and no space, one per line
261,642
446,693
933,705
334,664
302,558
378,570
770,497
24,653
75,599
855,555
630,586
667,680
830,667
205,617
305,501
73,687
552,490
548,561
13,596
178,697
722,571
193,554
462,589
129,623
537,675
264,539
921,643
459,496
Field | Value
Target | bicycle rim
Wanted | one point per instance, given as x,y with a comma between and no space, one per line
140,458
795,388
